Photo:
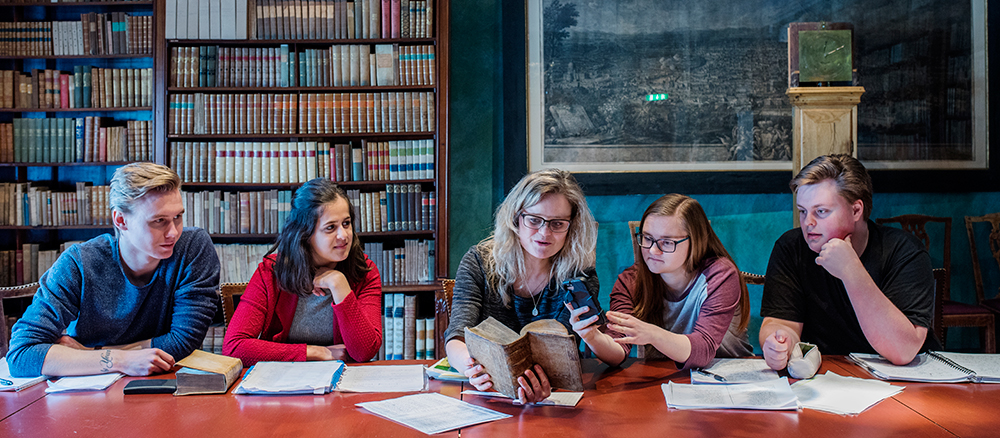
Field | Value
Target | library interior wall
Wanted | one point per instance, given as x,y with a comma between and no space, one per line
747,224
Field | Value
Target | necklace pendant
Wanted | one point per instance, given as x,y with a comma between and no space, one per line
534,311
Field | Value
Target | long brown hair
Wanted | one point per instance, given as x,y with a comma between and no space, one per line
650,288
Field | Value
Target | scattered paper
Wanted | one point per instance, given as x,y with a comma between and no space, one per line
17,383
842,395
561,398
98,382
768,395
431,412
290,377
383,378
734,371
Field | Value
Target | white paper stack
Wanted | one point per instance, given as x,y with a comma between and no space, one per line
383,378
773,395
98,382
431,412
734,371
290,377
17,383
842,395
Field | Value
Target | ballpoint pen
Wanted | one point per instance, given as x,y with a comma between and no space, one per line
5,382
709,373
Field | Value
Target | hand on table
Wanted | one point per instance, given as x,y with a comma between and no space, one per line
777,349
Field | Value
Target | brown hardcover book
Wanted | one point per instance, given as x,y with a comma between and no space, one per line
505,354
207,373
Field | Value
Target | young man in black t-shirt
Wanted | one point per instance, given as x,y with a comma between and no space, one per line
847,284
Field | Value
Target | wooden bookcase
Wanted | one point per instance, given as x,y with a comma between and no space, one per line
166,138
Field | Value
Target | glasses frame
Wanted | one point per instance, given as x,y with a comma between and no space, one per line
545,222
659,243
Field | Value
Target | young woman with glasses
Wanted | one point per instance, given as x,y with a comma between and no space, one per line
685,299
544,234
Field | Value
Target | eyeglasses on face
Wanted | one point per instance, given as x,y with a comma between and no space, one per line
664,245
536,223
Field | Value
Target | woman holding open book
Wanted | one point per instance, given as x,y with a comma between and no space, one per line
544,234
685,299
316,296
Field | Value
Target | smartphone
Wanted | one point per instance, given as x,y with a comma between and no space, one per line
151,386
581,298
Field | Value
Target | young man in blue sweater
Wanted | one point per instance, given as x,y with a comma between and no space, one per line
133,302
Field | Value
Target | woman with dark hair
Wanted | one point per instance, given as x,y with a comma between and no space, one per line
685,299
316,296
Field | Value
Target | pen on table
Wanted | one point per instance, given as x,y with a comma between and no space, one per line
715,376
5,382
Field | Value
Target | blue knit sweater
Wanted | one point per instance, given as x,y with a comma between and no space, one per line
87,294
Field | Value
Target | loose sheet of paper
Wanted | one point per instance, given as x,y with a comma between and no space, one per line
19,383
98,382
383,378
560,398
842,395
768,395
735,371
290,377
431,412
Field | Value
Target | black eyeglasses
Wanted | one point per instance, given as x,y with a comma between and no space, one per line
536,223
664,245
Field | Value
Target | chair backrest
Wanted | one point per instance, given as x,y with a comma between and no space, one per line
633,227
916,224
226,292
22,291
993,243
442,315
941,281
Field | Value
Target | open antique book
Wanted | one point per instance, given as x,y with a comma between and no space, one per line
506,354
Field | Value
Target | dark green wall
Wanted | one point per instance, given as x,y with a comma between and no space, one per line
747,224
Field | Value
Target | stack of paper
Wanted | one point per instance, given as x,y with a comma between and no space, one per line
290,377
767,395
98,382
842,395
383,378
560,398
431,412
734,371
17,383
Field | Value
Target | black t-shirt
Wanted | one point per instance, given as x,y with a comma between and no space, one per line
797,289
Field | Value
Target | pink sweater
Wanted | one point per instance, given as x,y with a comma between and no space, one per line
715,317
260,325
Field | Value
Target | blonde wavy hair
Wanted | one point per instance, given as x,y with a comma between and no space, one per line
502,254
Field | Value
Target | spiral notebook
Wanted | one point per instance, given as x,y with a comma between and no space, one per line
934,366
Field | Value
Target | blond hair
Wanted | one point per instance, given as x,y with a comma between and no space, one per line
132,181
849,175
502,254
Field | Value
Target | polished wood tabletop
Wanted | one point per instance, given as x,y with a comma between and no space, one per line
618,401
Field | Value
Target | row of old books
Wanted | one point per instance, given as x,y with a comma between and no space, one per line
341,19
206,19
66,1
326,113
400,207
112,33
218,212
74,140
250,162
214,339
411,263
86,87
384,161
405,336
336,66
32,204
239,261
27,263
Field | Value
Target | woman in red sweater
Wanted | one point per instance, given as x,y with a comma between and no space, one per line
315,296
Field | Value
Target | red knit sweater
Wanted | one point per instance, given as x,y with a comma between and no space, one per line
260,325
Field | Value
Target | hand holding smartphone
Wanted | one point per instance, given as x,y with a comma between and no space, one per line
581,297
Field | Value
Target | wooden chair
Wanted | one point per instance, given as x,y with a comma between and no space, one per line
226,293
953,313
993,304
442,315
22,291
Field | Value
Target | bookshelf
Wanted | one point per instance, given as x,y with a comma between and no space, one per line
246,120
76,104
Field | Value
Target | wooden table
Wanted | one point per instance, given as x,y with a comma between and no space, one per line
112,414
624,401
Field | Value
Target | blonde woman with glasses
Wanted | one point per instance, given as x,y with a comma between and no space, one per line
544,234
684,300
